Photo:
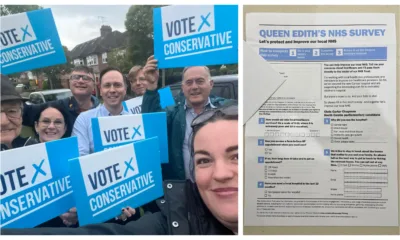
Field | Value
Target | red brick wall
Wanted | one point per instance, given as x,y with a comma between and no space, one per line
101,64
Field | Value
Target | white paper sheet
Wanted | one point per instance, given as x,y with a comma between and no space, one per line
322,150
260,81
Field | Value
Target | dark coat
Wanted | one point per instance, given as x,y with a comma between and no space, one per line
20,142
181,212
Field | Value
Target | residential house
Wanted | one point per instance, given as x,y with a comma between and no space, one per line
93,53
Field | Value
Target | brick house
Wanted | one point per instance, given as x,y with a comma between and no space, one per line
93,53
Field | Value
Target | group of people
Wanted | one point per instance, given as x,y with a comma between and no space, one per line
202,139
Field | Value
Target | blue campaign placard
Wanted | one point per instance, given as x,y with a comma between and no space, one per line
166,98
189,35
107,181
28,41
35,183
110,132
134,105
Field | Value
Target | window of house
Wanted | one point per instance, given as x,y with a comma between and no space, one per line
92,60
104,57
78,62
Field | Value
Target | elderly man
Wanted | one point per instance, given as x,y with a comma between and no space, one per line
11,120
81,81
196,87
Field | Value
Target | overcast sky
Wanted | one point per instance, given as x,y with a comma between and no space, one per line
79,23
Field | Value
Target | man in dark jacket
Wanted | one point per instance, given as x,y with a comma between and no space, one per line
82,85
196,87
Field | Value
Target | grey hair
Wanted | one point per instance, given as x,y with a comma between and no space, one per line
205,67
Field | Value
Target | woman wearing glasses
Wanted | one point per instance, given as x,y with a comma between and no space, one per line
208,206
50,123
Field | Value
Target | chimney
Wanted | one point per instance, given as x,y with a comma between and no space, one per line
104,30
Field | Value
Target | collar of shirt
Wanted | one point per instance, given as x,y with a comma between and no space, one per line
104,112
208,104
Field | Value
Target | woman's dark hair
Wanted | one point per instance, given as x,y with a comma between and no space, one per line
227,112
60,109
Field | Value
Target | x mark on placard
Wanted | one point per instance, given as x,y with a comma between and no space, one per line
136,131
25,30
128,166
204,21
38,170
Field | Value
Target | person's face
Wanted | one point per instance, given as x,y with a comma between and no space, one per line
216,169
65,81
81,83
196,85
51,125
112,89
139,84
11,121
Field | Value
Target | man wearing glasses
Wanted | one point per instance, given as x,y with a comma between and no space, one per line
11,117
82,85
196,87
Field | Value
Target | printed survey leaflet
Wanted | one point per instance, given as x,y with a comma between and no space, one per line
322,149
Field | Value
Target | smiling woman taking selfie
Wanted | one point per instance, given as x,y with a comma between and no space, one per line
209,206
